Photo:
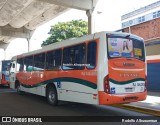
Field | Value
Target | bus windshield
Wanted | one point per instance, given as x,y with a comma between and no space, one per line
126,47
6,65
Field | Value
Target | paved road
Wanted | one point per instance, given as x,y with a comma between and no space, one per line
29,104
12,104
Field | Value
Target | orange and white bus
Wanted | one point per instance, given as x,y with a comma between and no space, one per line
101,68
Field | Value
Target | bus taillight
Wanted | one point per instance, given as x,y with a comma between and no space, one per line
106,84
3,76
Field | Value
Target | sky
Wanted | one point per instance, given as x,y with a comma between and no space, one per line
108,20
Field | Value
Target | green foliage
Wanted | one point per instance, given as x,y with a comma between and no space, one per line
66,30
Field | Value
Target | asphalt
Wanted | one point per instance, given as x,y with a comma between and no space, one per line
13,104
150,106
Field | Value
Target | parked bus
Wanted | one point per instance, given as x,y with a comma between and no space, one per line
101,68
5,66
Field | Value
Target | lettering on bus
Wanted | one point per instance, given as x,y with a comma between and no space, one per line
138,84
89,73
128,75
128,64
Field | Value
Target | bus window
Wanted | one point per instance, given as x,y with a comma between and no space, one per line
91,55
125,47
139,50
53,60
12,67
20,65
28,62
39,62
74,57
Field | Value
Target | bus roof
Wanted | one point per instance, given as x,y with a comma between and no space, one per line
70,42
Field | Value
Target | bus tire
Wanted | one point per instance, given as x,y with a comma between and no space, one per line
18,90
52,96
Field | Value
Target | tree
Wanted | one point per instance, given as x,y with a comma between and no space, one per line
66,30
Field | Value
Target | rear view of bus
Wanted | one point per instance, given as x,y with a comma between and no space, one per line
5,78
125,79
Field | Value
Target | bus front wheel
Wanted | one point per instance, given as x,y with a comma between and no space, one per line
18,90
52,96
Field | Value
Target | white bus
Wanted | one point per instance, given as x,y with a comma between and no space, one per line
101,68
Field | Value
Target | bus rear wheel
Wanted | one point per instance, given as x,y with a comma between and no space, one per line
52,96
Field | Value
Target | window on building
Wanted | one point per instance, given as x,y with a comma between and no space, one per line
154,15
158,13
127,23
53,60
130,22
91,55
74,57
139,19
123,25
39,62
28,63
143,18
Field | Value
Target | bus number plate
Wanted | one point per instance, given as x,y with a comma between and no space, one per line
129,89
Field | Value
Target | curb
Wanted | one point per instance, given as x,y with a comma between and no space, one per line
138,109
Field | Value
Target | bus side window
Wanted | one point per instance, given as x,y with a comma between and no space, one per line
28,63
39,62
80,56
53,60
91,55
20,65
74,57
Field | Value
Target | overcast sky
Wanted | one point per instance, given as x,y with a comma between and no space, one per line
108,20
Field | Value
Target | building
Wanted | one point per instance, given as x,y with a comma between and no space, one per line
145,22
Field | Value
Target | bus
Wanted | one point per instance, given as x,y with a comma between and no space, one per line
100,68
4,72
